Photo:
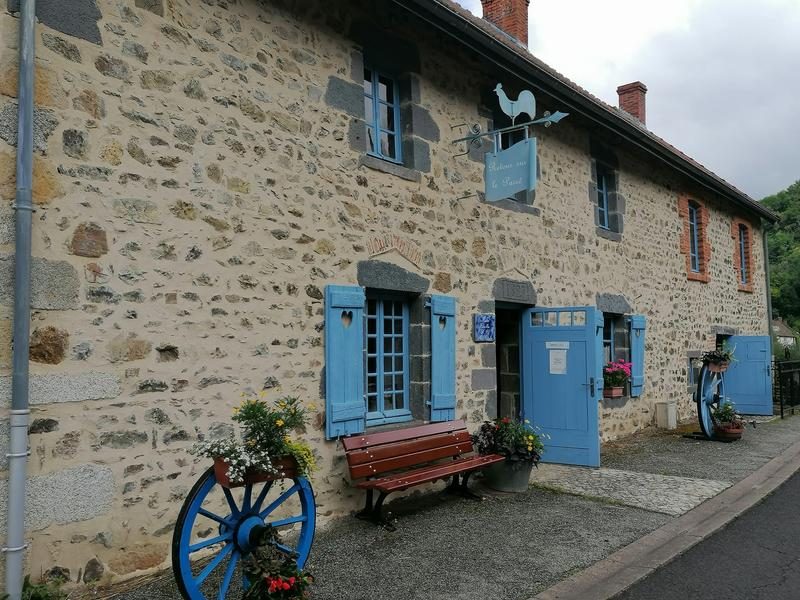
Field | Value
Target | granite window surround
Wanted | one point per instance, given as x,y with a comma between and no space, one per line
742,236
400,60
379,277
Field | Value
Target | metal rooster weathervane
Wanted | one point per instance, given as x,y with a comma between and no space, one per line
513,169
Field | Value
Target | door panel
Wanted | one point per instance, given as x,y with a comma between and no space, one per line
748,381
560,384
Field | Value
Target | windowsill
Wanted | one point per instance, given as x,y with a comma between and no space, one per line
513,205
394,426
608,234
614,402
746,288
384,166
701,277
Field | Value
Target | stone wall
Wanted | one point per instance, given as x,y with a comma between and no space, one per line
197,188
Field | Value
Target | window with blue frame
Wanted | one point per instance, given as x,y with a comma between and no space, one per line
694,238
382,115
744,275
387,364
603,182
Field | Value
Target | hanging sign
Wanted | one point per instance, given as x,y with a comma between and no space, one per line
507,172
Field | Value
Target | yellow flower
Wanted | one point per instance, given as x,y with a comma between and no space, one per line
312,406
527,421
262,393
279,422
235,409
530,437
530,448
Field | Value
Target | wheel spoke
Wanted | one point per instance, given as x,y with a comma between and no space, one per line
262,495
214,563
210,542
284,548
229,570
248,495
289,521
279,500
213,517
231,502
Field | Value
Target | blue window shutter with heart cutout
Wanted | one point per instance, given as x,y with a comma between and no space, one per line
443,358
345,406
638,323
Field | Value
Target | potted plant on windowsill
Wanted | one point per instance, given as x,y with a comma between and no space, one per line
728,424
522,446
615,378
719,359
265,449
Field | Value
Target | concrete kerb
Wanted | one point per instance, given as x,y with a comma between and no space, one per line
616,573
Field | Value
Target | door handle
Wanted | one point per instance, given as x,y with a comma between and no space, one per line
591,386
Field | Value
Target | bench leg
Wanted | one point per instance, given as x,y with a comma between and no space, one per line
464,489
453,487
366,514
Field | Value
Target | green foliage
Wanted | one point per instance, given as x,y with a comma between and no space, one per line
726,414
784,253
272,573
516,441
39,591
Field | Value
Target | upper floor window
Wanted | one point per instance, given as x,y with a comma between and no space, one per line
744,274
694,238
695,245
382,115
604,180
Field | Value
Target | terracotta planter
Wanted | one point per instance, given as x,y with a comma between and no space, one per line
509,476
614,392
725,432
286,466
719,367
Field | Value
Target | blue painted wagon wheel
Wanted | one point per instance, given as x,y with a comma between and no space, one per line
710,392
217,527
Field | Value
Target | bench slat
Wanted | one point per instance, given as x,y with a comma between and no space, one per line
384,451
409,460
387,437
402,481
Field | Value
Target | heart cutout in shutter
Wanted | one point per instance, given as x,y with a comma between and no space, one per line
347,318
442,322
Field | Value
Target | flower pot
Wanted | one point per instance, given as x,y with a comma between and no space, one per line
285,465
509,476
727,432
718,367
613,392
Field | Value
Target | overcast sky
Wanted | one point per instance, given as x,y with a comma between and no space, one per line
723,76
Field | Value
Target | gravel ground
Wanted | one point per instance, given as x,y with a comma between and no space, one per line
653,451
508,547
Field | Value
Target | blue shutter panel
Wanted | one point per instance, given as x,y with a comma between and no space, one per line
443,358
345,407
638,323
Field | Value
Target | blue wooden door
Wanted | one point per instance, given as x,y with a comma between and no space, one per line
562,379
748,381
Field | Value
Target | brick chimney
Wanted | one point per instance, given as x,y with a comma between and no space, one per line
631,99
509,15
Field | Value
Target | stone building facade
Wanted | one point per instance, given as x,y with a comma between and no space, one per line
201,177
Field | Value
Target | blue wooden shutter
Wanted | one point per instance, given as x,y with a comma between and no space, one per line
637,323
443,358
345,407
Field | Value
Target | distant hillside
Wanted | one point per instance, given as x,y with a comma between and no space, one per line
784,253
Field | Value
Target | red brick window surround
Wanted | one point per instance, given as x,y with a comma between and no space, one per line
742,234
703,247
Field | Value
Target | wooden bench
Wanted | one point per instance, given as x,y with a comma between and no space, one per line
393,461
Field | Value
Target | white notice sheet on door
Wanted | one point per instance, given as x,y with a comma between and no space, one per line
558,362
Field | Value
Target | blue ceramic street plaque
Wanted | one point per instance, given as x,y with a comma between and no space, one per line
483,328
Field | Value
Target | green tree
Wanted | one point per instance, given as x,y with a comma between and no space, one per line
784,253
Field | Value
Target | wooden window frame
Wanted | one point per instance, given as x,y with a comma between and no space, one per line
373,121
381,416
602,197
742,236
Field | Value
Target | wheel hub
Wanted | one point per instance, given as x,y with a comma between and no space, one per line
248,532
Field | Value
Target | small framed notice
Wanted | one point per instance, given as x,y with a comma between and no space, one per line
558,361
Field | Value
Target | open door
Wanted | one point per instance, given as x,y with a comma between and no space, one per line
562,380
748,380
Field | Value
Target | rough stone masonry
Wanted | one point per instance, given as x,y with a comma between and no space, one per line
198,183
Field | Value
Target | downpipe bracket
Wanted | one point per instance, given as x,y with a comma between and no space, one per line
5,550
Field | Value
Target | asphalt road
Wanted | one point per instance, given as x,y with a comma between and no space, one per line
755,557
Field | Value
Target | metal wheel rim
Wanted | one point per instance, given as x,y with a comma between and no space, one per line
710,391
230,553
